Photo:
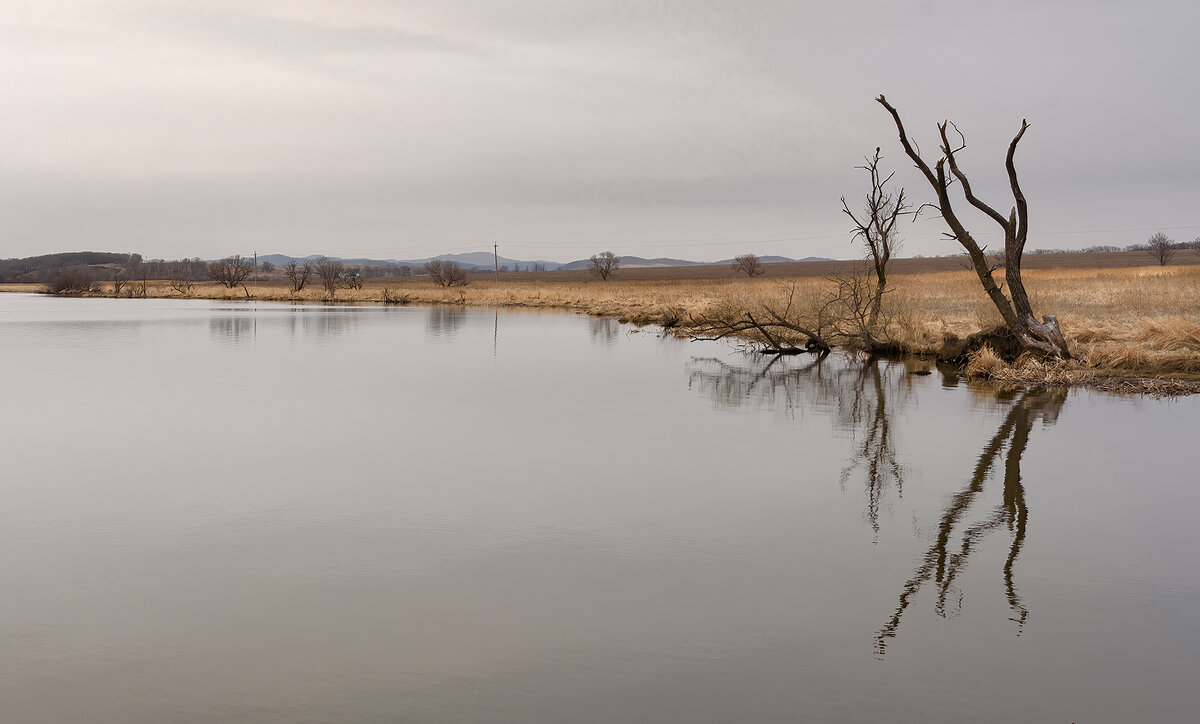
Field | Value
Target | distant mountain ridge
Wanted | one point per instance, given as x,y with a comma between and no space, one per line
482,260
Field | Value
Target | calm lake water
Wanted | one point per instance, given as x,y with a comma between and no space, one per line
215,512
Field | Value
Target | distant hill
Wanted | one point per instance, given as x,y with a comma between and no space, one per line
767,259
637,262
38,268
472,260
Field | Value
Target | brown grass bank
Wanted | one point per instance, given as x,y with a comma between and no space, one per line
1141,321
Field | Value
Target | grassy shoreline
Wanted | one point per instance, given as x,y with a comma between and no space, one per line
1137,322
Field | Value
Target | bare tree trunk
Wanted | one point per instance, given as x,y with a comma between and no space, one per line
1043,337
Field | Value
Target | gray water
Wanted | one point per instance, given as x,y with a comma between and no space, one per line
215,512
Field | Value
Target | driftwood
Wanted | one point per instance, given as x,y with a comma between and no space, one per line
713,328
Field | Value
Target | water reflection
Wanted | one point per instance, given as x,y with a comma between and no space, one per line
321,325
864,411
770,383
234,330
941,565
864,398
604,330
444,322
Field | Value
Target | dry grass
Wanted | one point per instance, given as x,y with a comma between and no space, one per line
1142,320
984,364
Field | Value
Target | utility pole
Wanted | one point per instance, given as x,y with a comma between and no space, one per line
496,258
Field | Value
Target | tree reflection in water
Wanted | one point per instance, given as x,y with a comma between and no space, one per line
941,565
232,329
444,321
604,330
864,412
864,396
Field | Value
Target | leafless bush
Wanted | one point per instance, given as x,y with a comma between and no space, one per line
118,282
183,287
749,264
297,274
446,273
330,273
352,278
390,297
672,317
604,264
73,280
231,271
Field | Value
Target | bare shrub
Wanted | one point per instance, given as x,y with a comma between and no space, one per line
330,272
446,273
182,287
73,280
672,317
231,271
352,278
297,274
390,297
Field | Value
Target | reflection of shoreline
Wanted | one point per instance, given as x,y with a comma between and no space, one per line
444,322
942,566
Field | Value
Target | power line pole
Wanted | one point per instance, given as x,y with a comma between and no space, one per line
496,258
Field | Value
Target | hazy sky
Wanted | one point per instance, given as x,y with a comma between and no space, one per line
397,129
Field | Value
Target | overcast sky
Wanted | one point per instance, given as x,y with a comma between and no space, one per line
558,128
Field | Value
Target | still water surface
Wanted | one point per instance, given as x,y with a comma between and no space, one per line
215,512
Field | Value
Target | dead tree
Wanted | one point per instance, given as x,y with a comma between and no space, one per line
604,264
446,273
877,229
773,326
231,271
1043,337
749,264
297,274
1160,246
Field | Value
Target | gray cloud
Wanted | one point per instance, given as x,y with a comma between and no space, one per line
691,128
